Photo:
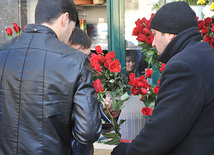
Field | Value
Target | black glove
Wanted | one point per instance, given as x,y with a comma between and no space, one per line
120,149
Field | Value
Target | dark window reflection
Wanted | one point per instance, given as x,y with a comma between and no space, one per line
135,62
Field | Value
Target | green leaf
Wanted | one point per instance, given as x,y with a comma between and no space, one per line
152,105
109,135
125,96
114,105
150,52
114,141
122,121
121,107
111,81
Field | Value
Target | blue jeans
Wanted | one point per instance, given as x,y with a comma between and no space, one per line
82,149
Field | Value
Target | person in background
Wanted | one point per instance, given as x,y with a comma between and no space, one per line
44,82
131,61
182,123
80,40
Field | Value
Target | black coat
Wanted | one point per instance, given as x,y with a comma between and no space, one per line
183,121
43,82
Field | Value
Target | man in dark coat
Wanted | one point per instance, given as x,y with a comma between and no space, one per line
46,91
182,123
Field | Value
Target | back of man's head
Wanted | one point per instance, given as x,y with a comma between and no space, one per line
49,10
80,37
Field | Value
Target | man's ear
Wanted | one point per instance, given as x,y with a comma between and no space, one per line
64,19
171,36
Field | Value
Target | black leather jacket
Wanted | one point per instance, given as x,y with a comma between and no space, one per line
43,82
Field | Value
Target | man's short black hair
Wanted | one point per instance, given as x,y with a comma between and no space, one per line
48,10
80,37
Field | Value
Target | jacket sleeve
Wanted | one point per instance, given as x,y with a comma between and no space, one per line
86,112
180,101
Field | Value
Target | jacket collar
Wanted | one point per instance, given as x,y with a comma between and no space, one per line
36,28
179,43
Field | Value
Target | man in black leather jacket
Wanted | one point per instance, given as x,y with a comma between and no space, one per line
43,82
182,123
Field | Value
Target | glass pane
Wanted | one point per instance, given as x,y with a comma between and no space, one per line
135,63
27,11
135,9
95,24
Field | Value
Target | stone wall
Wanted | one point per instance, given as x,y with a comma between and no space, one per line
9,14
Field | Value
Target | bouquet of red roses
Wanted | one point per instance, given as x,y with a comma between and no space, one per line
107,77
145,38
148,91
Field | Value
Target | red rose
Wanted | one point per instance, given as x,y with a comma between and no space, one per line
98,49
146,31
147,22
93,55
115,66
136,30
110,55
139,84
135,91
201,24
138,22
149,40
131,75
98,86
156,89
142,78
212,29
148,73
97,67
133,82
141,37
158,82
147,111
143,91
9,31
204,30
207,38
16,28
208,21
101,58
106,64
162,67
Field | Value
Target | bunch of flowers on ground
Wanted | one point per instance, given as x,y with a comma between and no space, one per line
147,90
107,76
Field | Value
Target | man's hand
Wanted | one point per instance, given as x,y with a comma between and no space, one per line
114,114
